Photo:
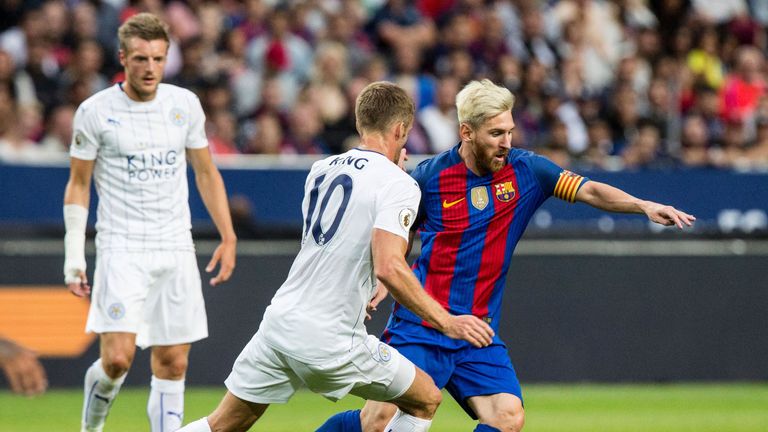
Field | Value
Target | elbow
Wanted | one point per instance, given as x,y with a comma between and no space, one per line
386,271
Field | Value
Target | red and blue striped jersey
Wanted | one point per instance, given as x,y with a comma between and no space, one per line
469,226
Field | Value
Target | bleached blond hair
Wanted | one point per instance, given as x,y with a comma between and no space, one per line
479,101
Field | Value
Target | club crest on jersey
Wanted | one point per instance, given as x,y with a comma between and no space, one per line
178,117
116,311
79,140
504,191
406,218
479,197
385,353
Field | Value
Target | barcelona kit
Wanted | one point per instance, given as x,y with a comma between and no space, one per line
469,226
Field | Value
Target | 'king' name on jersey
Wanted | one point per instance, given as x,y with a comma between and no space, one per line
140,170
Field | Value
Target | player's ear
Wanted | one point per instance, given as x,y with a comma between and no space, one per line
465,132
399,130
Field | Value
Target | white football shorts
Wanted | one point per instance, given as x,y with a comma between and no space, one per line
155,294
372,370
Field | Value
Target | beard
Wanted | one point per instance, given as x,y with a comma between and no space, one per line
489,164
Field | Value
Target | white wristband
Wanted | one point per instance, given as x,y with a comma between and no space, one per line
75,221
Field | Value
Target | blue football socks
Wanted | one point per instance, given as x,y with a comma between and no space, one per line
485,428
347,421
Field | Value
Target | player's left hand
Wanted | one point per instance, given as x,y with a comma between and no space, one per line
224,255
378,297
667,215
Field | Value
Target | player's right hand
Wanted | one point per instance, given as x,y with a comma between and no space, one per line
77,283
471,329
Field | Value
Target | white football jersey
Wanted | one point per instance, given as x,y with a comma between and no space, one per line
141,169
319,311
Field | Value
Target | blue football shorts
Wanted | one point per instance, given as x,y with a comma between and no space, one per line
459,367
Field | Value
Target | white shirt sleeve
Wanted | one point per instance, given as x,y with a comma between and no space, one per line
85,134
396,206
196,134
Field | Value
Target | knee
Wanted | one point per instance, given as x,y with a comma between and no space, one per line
432,400
507,420
116,364
173,367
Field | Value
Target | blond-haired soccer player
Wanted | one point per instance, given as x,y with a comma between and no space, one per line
134,139
358,208
477,199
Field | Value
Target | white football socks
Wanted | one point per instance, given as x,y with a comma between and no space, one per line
402,422
197,426
165,407
100,392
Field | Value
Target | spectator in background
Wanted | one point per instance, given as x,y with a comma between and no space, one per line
191,75
23,371
85,66
221,129
408,72
534,43
305,126
58,130
744,87
23,87
731,153
659,107
491,46
400,24
264,135
344,29
704,60
597,154
694,151
556,145
623,117
707,105
281,53
242,79
645,149
439,120
14,146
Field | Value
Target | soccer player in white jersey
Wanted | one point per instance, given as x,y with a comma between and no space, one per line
134,139
358,208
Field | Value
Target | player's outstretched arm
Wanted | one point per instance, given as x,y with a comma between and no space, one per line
77,197
609,198
211,187
24,372
392,269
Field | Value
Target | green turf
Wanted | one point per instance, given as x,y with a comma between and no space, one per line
572,408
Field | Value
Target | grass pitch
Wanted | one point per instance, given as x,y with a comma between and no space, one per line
549,408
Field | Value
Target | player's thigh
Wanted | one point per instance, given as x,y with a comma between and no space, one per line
482,372
119,291
503,411
235,414
262,375
377,371
422,397
174,310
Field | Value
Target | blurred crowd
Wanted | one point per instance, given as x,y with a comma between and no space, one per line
624,84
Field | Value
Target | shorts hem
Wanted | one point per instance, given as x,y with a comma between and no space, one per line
262,400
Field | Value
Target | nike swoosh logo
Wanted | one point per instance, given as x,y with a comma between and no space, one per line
447,204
